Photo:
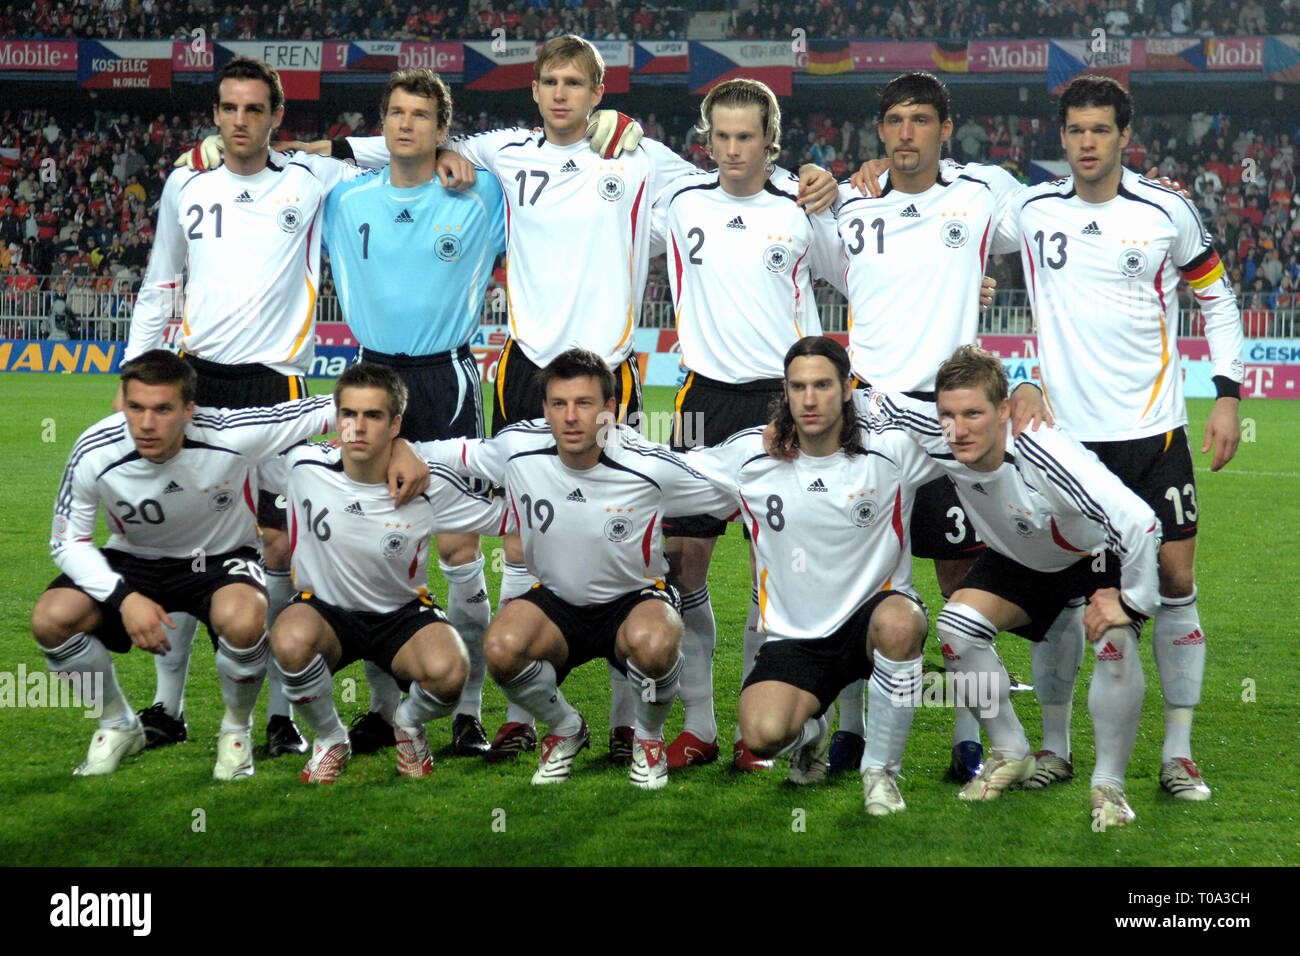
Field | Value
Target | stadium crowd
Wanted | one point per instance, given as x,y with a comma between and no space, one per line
78,194
623,20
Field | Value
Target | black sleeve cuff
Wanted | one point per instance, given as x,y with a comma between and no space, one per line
120,594
1225,387
1137,617
341,149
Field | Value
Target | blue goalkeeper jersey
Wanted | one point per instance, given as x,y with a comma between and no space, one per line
411,265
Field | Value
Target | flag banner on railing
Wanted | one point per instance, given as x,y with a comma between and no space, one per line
499,66
617,55
298,62
361,56
661,56
714,63
1106,56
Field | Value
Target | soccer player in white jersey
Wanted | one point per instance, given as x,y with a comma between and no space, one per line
828,532
177,486
590,498
1059,527
1103,252
360,563
256,217
419,322
913,259
742,257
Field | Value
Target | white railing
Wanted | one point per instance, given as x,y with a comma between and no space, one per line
98,308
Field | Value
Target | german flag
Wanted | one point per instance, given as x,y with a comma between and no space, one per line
950,55
1204,270
826,57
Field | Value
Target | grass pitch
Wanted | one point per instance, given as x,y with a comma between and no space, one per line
163,808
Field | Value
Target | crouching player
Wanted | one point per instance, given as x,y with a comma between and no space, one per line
843,502
590,497
1059,526
359,562
176,486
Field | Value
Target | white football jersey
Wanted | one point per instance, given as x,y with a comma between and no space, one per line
741,270
1103,280
827,533
201,500
912,268
238,257
1050,503
353,548
577,235
590,536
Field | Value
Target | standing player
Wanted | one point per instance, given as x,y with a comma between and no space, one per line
1059,527
359,562
177,488
842,504
590,497
927,222
1104,250
411,259
251,341
742,256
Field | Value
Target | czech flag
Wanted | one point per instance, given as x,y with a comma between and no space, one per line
714,63
495,66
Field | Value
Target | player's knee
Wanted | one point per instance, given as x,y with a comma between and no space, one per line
898,629
1177,582
242,625
764,732
654,648
501,652
293,646
456,553
53,622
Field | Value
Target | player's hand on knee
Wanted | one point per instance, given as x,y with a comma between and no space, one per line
1028,409
613,133
408,474
817,189
1222,432
867,179
143,620
206,155
1103,613
454,170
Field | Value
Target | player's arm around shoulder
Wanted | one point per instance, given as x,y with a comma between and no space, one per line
263,433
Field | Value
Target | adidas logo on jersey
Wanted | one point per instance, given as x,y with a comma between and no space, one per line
172,486
909,213
817,486
354,509
1196,637
569,167
1092,229
1110,653
980,488
736,223
244,197
576,495
403,216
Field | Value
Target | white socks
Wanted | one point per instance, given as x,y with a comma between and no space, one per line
515,580
654,698
750,643
535,690
420,707
979,673
83,654
699,641
1115,703
279,592
241,671
1055,662
853,713
311,691
171,669
469,613
385,695
891,692
1178,644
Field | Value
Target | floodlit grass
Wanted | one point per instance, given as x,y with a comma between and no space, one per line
162,808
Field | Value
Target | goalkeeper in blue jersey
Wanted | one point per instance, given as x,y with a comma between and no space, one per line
411,261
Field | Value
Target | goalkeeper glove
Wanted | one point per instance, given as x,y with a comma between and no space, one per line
612,133
206,155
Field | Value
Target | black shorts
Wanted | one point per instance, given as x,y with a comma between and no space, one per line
175,583
1159,470
372,635
823,666
517,396
590,631
707,412
249,386
939,528
445,395
1042,595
